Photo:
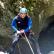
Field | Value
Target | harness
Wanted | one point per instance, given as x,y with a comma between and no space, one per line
21,23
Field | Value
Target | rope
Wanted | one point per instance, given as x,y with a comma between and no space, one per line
29,44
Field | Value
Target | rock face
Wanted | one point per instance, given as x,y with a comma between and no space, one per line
21,47
46,39
38,10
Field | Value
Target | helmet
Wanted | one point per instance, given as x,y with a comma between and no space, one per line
23,10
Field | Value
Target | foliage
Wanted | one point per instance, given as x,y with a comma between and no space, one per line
11,8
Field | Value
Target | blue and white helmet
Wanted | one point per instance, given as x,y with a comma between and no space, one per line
23,10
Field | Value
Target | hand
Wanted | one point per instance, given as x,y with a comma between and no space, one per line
18,32
22,31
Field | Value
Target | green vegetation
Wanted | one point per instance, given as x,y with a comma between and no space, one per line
10,8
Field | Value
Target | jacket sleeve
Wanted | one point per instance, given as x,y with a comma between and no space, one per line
29,25
13,24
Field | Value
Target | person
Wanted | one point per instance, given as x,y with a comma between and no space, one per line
22,23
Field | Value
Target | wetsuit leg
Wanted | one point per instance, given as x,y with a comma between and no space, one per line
14,42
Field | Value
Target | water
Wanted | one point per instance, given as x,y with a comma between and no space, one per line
46,40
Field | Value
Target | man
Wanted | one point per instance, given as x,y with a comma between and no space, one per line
21,24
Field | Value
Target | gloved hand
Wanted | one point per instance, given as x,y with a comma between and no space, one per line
18,32
22,31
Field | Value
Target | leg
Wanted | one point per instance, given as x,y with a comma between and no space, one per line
31,37
14,42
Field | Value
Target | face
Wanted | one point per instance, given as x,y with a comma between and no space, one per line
22,15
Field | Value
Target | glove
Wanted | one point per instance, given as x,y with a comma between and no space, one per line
18,32
21,31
